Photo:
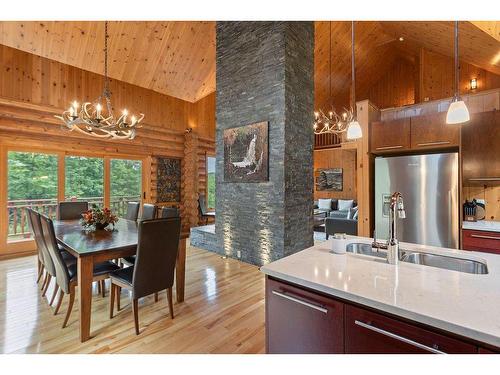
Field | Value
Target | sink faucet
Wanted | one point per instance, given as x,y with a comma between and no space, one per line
397,205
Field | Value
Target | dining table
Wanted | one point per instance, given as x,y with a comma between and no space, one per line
95,246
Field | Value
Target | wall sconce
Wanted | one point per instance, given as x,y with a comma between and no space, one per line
473,83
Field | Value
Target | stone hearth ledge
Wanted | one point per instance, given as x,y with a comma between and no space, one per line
461,303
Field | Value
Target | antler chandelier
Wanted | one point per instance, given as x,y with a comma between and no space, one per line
334,123
92,120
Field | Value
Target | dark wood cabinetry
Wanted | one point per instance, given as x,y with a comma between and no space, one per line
367,332
480,149
431,131
304,321
390,136
476,240
301,321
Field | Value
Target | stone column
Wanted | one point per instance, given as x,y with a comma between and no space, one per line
265,73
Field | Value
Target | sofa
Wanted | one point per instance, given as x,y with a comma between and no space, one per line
343,220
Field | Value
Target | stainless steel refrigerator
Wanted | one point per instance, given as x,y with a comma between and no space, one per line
429,184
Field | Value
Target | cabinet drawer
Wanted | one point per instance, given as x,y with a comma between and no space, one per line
390,136
488,242
298,321
368,332
432,132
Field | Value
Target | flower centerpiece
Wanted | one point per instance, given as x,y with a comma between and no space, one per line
98,218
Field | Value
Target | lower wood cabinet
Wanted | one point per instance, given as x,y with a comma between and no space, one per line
478,240
298,321
304,321
367,332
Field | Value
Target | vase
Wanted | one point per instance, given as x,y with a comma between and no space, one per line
101,226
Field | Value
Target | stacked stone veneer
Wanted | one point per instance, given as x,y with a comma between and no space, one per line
265,73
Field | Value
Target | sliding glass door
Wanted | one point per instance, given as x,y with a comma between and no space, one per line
31,182
126,184
84,179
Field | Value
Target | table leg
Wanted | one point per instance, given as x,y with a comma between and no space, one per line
180,271
85,276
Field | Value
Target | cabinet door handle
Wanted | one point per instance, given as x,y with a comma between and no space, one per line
300,301
433,143
485,237
399,338
388,147
485,179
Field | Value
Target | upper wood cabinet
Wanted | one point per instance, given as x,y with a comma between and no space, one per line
481,149
389,136
431,131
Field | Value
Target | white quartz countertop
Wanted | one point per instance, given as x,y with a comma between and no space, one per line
461,303
489,226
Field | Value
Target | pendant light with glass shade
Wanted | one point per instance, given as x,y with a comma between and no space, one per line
457,112
353,128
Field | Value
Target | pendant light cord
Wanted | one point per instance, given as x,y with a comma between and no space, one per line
353,72
106,79
457,64
330,65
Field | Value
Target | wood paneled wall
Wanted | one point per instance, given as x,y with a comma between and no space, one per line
338,158
33,89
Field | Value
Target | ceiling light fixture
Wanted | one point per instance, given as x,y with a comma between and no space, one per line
334,123
91,120
457,112
401,39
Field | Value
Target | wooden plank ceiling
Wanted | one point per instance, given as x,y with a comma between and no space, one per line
178,58
173,58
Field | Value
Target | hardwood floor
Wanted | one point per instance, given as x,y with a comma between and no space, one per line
223,313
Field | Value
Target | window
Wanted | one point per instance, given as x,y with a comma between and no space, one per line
84,179
210,182
32,182
126,184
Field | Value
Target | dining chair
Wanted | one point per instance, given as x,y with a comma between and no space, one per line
148,211
202,209
47,259
132,210
40,263
167,212
66,273
153,271
71,210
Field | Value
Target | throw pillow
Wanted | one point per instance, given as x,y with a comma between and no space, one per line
353,213
355,216
325,204
345,205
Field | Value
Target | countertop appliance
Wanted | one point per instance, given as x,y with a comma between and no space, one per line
429,185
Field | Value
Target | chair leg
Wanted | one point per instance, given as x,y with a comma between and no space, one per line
112,294
118,295
135,310
103,288
56,288
40,271
70,306
49,278
44,280
59,302
98,287
156,297
170,303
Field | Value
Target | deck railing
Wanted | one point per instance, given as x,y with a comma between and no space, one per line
18,219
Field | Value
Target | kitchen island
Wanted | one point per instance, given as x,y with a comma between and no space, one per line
319,302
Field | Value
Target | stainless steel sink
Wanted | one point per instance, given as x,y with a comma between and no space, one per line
364,249
426,259
445,262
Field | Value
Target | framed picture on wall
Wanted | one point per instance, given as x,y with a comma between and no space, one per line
246,155
330,179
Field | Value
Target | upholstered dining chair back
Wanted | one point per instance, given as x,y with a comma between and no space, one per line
148,211
202,205
36,236
62,273
167,212
71,210
132,211
157,247
35,219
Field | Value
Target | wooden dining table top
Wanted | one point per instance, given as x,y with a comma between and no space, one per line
73,237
